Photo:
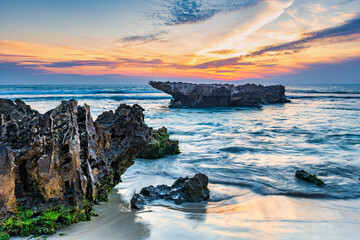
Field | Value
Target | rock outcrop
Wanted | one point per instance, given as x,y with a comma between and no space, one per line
311,178
160,145
221,95
183,190
63,157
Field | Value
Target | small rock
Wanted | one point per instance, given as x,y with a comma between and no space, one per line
160,145
183,190
303,175
175,104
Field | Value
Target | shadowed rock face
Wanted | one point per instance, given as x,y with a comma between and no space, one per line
183,190
63,156
221,95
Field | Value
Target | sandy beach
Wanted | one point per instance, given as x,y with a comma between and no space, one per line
248,216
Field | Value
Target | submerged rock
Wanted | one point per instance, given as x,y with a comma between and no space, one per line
221,95
63,158
303,175
160,145
183,190
175,104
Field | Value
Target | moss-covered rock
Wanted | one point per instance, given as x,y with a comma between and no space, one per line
160,145
39,221
311,178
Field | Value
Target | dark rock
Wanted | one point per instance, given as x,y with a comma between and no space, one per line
221,95
183,190
63,157
303,175
175,104
160,145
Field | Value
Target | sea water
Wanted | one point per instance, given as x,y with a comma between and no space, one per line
243,150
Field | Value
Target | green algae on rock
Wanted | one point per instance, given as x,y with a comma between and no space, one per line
311,178
40,221
160,145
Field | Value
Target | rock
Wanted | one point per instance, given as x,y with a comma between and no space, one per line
221,95
63,157
303,175
175,104
183,190
160,146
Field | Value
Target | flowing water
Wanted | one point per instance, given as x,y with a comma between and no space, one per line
247,153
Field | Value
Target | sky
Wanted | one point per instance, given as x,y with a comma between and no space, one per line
122,41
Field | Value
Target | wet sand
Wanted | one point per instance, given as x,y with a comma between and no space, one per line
247,216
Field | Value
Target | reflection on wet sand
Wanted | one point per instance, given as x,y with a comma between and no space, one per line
246,216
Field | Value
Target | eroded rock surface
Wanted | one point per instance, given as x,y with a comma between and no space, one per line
183,190
63,157
221,95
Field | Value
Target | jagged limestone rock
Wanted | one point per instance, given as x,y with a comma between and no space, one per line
63,157
221,95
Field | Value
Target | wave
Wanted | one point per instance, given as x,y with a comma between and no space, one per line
74,92
323,92
116,98
241,150
264,188
329,191
323,97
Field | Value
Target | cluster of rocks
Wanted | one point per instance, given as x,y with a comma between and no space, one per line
187,189
63,157
220,95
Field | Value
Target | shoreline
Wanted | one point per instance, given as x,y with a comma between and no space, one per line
247,216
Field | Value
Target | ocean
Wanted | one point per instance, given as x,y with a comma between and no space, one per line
249,154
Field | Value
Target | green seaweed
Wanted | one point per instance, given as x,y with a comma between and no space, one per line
43,222
104,195
311,178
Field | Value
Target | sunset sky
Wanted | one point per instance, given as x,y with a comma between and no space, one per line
121,40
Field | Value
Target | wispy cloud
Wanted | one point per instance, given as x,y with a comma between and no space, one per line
177,12
15,56
188,11
344,32
223,52
346,2
155,36
104,63
76,63
220,63
334,34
